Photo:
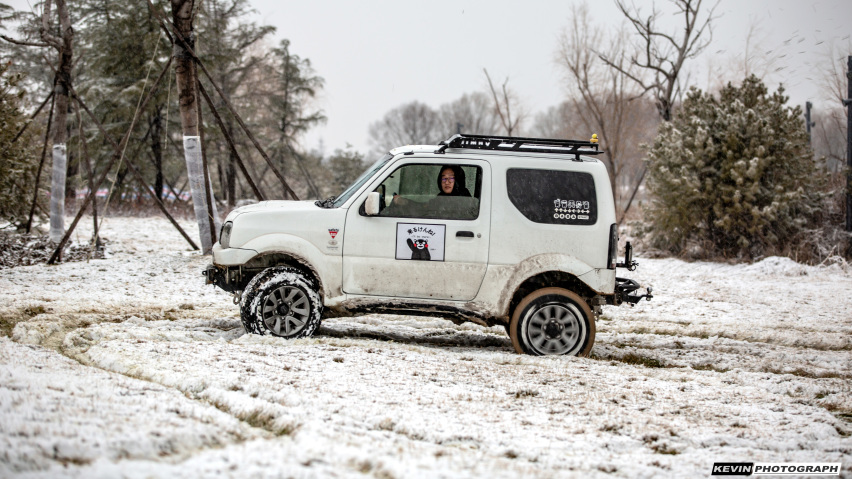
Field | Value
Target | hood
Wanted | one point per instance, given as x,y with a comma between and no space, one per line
275,205
303,219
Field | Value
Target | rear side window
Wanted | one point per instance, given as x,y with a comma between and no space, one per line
553,197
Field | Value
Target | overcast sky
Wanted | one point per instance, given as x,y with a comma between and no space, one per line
378,54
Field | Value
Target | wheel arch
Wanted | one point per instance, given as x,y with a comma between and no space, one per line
546,279
280,258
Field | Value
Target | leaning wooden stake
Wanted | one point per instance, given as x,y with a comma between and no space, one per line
301,164
108,167
41,164
248,132
239,119
211,215
230,141
137,174
32,117
90,176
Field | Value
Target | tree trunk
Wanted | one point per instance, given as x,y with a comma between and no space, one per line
60,126
232,172
187,78
232,182
72,172
118,187
157,151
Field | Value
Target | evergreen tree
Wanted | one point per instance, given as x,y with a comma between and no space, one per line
235,52
732,175
18,159
346,166
112,88
297,85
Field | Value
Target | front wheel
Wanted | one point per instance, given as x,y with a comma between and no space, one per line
552,321
281,301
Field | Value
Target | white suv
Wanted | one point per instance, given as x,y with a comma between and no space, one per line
496,230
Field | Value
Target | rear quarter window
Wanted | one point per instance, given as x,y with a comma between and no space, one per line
553,196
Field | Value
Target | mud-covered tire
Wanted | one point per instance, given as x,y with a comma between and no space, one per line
552,321
281,301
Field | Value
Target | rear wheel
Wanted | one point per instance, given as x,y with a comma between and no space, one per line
281,301
552,321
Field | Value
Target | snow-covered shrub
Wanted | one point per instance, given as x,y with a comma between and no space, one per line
733,175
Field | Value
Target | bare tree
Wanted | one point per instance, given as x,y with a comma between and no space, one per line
559,121
472,114
413,123
830,125
604,99
757,58
663,54
504,102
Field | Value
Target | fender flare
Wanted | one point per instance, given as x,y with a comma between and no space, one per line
537,265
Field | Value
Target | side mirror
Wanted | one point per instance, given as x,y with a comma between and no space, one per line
371,206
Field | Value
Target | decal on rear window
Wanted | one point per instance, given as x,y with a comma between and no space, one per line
554,197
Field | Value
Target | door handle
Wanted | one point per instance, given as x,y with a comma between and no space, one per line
464,234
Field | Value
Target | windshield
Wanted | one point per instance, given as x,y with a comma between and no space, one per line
339,200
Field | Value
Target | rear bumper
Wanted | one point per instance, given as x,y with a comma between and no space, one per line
626,291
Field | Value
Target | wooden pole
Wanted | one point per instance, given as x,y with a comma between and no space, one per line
239,119
89,174
41,165
109,166
137,174
32,117
210,216
231,144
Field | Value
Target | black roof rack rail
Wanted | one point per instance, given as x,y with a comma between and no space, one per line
512,143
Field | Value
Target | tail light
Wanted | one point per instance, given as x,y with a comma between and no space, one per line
613,247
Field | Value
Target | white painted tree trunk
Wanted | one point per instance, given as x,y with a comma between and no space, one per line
195,173
57,194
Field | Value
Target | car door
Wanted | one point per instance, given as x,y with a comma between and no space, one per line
421,245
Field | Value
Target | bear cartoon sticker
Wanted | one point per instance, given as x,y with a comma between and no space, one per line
419,249
420,242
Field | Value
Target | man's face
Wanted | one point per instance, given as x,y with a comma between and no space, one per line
448,180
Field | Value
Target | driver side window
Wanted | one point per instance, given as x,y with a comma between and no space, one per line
450,192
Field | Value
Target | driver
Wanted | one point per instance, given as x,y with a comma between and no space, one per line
451,182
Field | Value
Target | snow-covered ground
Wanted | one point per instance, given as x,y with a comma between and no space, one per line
132,367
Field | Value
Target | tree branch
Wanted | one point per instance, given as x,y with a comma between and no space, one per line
23,43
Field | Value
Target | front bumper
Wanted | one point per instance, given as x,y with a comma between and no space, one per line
231,256
228,278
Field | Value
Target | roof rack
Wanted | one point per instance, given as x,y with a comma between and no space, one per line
511,143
